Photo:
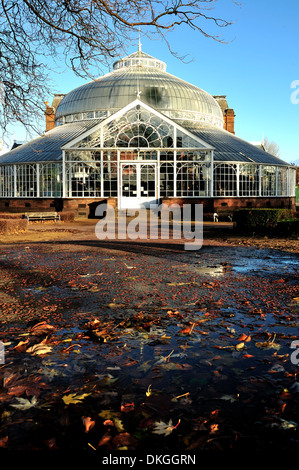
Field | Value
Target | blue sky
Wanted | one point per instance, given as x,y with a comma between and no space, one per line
255,68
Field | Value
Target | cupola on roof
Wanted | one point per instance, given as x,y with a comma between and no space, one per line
141,75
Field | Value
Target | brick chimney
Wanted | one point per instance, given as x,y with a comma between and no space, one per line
229,120
50,117
228,113
51,111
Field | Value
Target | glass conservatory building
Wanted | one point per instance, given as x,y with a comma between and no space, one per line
140,135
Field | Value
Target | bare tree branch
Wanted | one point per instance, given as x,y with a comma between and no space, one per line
86,34
271,147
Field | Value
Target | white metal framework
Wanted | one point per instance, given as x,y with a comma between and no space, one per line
139,155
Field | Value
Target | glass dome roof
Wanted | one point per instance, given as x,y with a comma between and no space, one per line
140,75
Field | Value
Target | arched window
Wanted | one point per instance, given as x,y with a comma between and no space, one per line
225,180
249,180
26,183
191,180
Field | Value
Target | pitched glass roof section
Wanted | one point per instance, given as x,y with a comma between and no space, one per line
140,75
229,148
47,148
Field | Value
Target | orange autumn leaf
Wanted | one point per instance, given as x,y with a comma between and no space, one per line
105,440
126,407
214,428
21,346
188,330
4,441
283,407
244,338
108,422
88,423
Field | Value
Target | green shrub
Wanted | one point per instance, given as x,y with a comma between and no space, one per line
260,218
11,226
289,227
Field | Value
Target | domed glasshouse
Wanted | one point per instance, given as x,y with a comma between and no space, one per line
140,135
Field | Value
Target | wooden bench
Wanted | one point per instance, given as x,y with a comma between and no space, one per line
42,216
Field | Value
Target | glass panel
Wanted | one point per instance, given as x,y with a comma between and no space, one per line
138,128
50,180
26,181
249,180
188,179
110,179
92,140
129,155
167,180
184,140
83,179
6,181
282,182
110,156
292,184
88,115
129,181
148,181
77,117
101,114
225,180
192,155
166,156
82,155
143,155
268,180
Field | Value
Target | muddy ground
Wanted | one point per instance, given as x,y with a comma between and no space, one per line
141,345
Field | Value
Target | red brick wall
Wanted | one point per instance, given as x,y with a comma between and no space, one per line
85,207
79,206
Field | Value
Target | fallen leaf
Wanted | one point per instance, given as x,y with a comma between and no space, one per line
4,441
39,349
25,404
21,346
88,423
73,398
285,424
160,427
108,422
244,338
42,328
105,439
124,440
127,407
228,398
267,345
214,428
115,417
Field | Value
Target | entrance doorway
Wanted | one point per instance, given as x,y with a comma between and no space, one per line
138,185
